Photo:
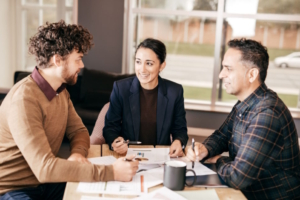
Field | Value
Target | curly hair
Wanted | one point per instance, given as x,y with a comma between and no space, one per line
61,39
253,53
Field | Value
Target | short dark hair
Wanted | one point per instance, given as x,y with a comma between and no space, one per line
59,38
253,52
156,46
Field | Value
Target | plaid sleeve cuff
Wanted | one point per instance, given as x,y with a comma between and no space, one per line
210,150
223,160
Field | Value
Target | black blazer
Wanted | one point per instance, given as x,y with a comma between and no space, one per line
123,116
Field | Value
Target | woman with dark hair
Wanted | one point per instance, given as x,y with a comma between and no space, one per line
146,107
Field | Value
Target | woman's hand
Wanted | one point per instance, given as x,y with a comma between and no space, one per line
119,146
176,149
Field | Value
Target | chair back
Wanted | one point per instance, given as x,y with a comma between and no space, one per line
97,134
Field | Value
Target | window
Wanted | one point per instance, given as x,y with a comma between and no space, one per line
196,32
33,13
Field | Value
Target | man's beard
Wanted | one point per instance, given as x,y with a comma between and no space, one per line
69,79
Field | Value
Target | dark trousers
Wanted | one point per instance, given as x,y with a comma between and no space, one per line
44,191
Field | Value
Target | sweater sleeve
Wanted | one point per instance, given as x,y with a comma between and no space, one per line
76,132
25,122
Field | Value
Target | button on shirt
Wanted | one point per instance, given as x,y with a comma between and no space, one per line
262,140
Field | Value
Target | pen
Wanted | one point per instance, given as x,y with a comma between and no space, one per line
193,145
130,142
126,159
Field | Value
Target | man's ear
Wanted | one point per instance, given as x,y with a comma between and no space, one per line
57,60
162,66
253,74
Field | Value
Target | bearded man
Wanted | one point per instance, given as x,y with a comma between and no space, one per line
37,113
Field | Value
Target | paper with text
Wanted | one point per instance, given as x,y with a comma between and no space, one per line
138,185
150,155
99,198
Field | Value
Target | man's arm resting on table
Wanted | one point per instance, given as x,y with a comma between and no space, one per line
26,125
262,142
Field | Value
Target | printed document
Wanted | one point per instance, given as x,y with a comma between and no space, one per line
138,185
150,155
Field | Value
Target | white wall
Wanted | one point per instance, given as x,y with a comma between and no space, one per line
7,43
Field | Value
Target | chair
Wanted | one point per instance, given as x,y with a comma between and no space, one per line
97,134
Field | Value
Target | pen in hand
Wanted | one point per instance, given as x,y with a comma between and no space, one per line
193,145
130,142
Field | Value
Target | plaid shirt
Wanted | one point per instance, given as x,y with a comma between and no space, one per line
262,140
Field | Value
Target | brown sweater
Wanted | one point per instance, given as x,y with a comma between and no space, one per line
31,132
148,106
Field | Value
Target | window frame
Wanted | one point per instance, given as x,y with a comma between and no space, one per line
61,12
132,9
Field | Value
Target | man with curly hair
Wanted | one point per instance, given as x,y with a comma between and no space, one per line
37,113
259,132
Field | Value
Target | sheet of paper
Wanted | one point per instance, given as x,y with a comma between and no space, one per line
147,167
138,185
158,173
161,194
99,198
199,168
150,155
104,160
210,194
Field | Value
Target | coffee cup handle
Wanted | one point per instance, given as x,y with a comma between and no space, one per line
195,177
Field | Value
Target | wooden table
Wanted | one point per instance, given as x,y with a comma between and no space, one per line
97,150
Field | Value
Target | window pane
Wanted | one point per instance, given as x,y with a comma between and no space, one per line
50,2
69,3
31,1
208,5
283,42
31,24
49,16
69,17
190,50
263,6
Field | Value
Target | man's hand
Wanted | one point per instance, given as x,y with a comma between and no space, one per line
78,157
213,159
199,152
125,170
176,149
119,146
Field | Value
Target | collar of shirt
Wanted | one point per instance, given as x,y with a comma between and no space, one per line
45,86
252,99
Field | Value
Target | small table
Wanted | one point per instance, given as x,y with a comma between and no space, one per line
98,150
